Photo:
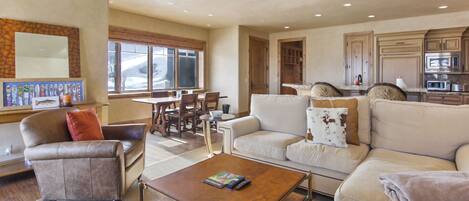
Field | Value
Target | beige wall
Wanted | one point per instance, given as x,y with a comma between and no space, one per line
244,35
324,46
91,17
122,110
224,64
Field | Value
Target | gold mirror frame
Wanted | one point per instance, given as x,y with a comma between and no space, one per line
8,27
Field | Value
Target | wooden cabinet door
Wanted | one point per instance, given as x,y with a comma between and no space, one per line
358,57
407,67
433,45
453,100
466,55
430,98
451,44
466,100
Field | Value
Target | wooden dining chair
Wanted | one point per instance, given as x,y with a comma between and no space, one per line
210,102
186,113
159,112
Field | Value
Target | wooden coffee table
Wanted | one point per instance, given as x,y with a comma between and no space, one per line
268,183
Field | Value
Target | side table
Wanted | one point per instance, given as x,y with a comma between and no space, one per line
207,119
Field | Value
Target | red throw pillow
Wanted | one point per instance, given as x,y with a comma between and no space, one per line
84,125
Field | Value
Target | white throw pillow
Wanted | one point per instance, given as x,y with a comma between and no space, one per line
328,125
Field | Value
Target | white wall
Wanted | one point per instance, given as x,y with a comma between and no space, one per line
91,17
123,109
325,50
224,64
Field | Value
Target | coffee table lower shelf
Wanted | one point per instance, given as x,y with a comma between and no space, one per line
268,182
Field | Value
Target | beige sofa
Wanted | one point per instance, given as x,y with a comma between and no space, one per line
402,136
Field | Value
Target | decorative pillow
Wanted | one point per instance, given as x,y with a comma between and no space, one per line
352,115
84,125
328,125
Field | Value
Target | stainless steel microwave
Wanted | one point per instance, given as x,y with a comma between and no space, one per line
443,62
439,85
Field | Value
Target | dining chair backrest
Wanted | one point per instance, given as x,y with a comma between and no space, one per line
210,101
188,103
159,94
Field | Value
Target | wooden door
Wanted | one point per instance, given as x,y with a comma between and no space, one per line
358,58
452,44
291,65
258,66
433,45
407,67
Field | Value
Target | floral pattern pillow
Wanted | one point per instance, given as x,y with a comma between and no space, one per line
328,126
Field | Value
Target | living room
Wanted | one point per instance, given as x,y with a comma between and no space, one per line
171,88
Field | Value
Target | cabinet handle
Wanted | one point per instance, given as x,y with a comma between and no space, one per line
400,43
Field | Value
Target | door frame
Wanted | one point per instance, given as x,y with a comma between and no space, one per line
267,61
279,59
371,66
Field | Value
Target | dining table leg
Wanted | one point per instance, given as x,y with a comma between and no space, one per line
208,137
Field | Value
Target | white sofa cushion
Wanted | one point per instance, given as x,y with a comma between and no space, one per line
281,113
420,128
363,183
266,144
364,116
343,160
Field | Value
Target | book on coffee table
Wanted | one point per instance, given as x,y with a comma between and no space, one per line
224,179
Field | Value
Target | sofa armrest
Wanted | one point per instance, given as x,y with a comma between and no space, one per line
124,132
462,158
69,150
236,128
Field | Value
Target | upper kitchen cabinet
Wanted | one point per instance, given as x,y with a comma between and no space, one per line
445,40
401,55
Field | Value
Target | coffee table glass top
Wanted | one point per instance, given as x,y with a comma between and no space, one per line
267,182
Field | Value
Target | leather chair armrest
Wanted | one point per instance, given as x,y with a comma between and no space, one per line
237,128
124,132
82,149
462,158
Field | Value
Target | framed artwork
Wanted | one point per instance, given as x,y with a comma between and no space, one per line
19,94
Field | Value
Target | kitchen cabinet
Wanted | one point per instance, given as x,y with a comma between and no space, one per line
401,55
447,99
444,40
443,45
465,56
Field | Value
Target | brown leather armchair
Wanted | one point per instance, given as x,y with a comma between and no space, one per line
85,170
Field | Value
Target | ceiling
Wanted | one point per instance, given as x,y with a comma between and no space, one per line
274,15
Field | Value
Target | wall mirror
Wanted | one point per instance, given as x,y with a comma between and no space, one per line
41,56
37,50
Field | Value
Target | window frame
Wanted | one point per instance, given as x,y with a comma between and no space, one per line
118,77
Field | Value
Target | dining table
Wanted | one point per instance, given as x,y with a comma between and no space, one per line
161,106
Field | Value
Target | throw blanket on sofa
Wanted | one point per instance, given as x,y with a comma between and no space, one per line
425,186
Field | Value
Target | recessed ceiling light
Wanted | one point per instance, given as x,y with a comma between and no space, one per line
371,16
170,3
186,11
443,7
210,15
111,2
209,25
347,4
286,27
318,15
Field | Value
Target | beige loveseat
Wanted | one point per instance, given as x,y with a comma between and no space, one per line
402,136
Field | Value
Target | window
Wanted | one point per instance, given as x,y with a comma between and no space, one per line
111,66
135,67
187,68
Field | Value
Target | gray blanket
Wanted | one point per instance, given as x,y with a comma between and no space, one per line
426,186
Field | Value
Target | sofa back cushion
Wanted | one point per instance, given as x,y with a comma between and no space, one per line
281,113
419,128
364,119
